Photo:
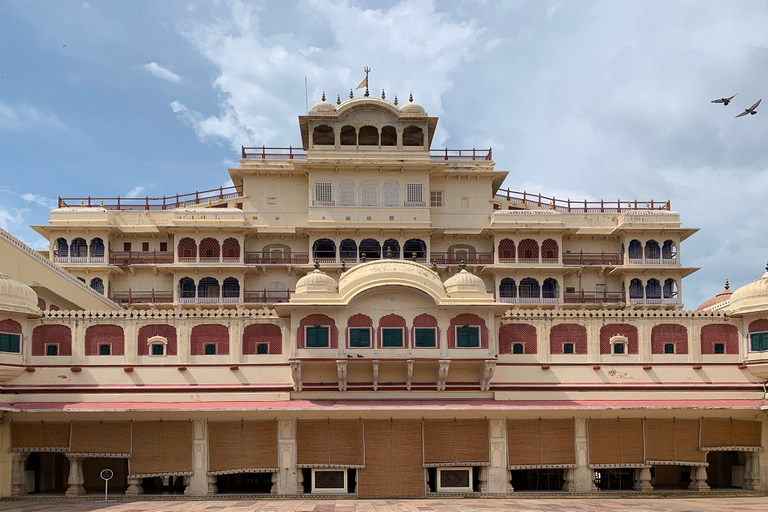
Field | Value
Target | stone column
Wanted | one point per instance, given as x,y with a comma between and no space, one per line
581,478
197,484
751,471
131,342
569,485
289,478
19,474
498,476
643,480
183,348
699,478
236,340
134,489
76,479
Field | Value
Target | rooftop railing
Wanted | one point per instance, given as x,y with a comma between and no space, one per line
566,205
151,203
291,153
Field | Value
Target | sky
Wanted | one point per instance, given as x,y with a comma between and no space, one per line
578,99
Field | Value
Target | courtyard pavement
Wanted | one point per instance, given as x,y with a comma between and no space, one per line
659,504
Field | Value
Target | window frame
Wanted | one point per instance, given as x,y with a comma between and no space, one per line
207,346
475,328
108,346
367,330
566,349
8,336
390,194
323,192
667,346
266,349
414,193
392,330
762,338
721,346
328,336
436,198
416,331
330,490
515,348
49,346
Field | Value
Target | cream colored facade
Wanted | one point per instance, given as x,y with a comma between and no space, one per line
368,291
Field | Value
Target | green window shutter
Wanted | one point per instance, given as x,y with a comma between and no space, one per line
262,348
52,350
317,336
210,350
568,348
759,341
468,336
104,350
359,338
719,348
517,348
669,348
392,337
10,343
425,338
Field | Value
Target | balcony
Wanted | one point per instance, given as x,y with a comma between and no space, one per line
141,297
653,261
79,259
460,155
151,203
530,298
276,258
584,297
139,258
529,261
206,299
208,259
654,301
445,258
266,296
587,259
528,200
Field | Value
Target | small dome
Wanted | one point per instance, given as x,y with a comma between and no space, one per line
723,296
17,297
751,297
465,282
412,109
322,107
316,281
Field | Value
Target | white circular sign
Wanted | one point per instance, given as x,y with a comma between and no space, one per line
107,474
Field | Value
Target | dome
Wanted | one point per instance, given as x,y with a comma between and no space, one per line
751,297
316,281
322,107
721,297
412,109
17,297
465,282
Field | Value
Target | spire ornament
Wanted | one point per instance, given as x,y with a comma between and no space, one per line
367,70
322,98
410,98
351,94
727,285
383,96
395,100
338,99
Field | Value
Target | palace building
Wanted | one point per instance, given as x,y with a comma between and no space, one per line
368,316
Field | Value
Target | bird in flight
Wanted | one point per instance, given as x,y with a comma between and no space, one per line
751,110
724,101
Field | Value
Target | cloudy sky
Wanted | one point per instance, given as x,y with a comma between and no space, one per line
579,99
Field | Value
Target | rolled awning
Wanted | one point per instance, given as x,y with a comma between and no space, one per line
329,444
242,447
393,463
673,443
456,443
39,437
161,448
98,439
731,435
615,443
541,443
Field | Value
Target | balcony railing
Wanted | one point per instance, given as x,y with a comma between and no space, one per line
265,153
585,258
466,155
141,297
530,261
78,259
267,296
233,298
140,258
445,258
584,297
653,261
530,299
151,203
275,258
527,199
654,301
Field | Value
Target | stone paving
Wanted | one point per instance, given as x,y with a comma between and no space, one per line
658,504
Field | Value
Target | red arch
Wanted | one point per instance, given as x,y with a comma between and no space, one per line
528,244
209,334
44,335
111,335
467,319
509,334
669,333
609,331
392,320
166,331
10,326
568,333
256,334
318,319
506,249
187,248
759,325
550,250
726,334
231,248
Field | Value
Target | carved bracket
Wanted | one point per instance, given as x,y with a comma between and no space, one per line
442,374
375,374
341,373
409,372
485,380
296,375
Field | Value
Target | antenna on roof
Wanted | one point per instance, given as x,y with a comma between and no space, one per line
306,94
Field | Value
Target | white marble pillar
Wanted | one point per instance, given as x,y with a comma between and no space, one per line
498,480
19,474
134,487
751,471
289,478
643,480
582,476
76,479
699,478
197,484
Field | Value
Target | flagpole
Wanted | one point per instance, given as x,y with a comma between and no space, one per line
367,70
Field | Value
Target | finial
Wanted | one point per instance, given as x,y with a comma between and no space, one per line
338,99
351,94
395,99
383,96
363,258
410,97
413,256
434,265
323,97
389,253
462,265
367,70
766,266
343,266
727,285
317,264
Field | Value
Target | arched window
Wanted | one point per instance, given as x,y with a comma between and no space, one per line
414,246
635,250
370,248
262,348
277,292
346,193
529,289
549,289
669,348
368,194
458,252
348,249
653,289
325,249
528,251
209,249
635,289
276,253
507,251
517,348
669,250
391,193
507,288
413,136
187,288
62,248
97,248
719,348
619,348
98,285
368,136
230,288
348,136
187,249
549,251
670,289
231,249
157,345
652,250
323,136
393,246
210,349
567,348
79,248
104,350
388,136
51,350
208,288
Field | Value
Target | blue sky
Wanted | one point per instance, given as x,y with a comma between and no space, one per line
578,99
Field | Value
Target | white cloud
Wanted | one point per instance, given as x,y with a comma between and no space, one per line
135,192
160,72
25,118
39,200
85,5
10,217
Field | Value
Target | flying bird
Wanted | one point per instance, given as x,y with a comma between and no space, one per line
751,110
724,101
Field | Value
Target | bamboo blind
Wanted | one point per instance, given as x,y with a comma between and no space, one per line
456,443
672,442
98,439
393,467
541,443
39,437
242,446
329,443
615,442
730,434
161,448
